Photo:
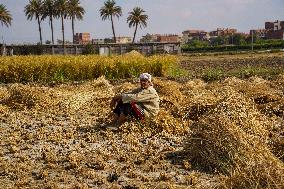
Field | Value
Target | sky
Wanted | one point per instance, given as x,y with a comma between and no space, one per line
165,17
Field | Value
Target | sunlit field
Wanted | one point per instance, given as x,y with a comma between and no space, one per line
220,124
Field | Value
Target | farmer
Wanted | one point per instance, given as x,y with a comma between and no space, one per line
140,103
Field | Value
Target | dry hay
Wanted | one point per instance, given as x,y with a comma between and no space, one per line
19,96
61,135
195,84
231,139
134,53
86,94
256,88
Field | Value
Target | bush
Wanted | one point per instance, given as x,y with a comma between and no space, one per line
89,49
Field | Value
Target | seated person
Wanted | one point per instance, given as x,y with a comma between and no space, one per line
140,103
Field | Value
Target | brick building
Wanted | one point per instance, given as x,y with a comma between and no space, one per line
261,33
223,32
169,38
82,38
189,35
274,30
123,40
160,38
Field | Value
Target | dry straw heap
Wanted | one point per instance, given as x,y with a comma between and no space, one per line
225,134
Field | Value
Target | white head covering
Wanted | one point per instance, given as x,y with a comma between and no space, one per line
145,76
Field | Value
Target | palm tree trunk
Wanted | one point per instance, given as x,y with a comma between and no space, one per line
73,28
52,34
39,29
63,36
134,33
113,29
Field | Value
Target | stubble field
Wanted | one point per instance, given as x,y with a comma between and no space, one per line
223,133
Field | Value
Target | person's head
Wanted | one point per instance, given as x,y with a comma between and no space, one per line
145,80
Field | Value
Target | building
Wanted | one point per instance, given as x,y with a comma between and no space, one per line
279,34
102,41
123,40
260,33
149,38
168,38
159,38
274,30
222,32
82,38
190,35
275,26
98,41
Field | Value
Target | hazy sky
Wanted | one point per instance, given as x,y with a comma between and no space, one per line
165,17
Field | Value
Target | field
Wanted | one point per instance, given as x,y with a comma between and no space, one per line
220,126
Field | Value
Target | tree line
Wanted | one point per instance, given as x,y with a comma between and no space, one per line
231,43
41,10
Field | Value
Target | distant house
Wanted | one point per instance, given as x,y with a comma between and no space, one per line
261,33
222,32
169,38
190,35
123,40
102,41
148,38
160,38
82,38
274,30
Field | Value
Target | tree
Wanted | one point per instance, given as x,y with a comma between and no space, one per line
62,12
75,11
34,10
238,39
135,18
50,12
110,10
5,16
217,41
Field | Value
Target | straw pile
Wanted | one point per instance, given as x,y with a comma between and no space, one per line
232,139
50,133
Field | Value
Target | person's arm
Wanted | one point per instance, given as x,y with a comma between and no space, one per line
114,100
142,96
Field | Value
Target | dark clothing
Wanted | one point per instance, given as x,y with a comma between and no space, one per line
133,110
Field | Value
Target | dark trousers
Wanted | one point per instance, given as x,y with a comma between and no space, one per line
129,109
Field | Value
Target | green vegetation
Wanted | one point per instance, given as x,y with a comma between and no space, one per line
135,18
5,16
221,44
110,10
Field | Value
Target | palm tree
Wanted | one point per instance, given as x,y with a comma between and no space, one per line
34,9
75,11
49,11
135,18
108,11
62,12
5,16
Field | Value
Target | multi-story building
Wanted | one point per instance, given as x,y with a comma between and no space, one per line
169,38
275,26
82,38
275,30
189,35
148,38
278,34
260,33
123,40
98,41
160,38
223,32
102,41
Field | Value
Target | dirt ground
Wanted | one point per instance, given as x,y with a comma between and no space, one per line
51,136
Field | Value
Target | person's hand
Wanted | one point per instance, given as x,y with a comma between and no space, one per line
112,103
115,100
